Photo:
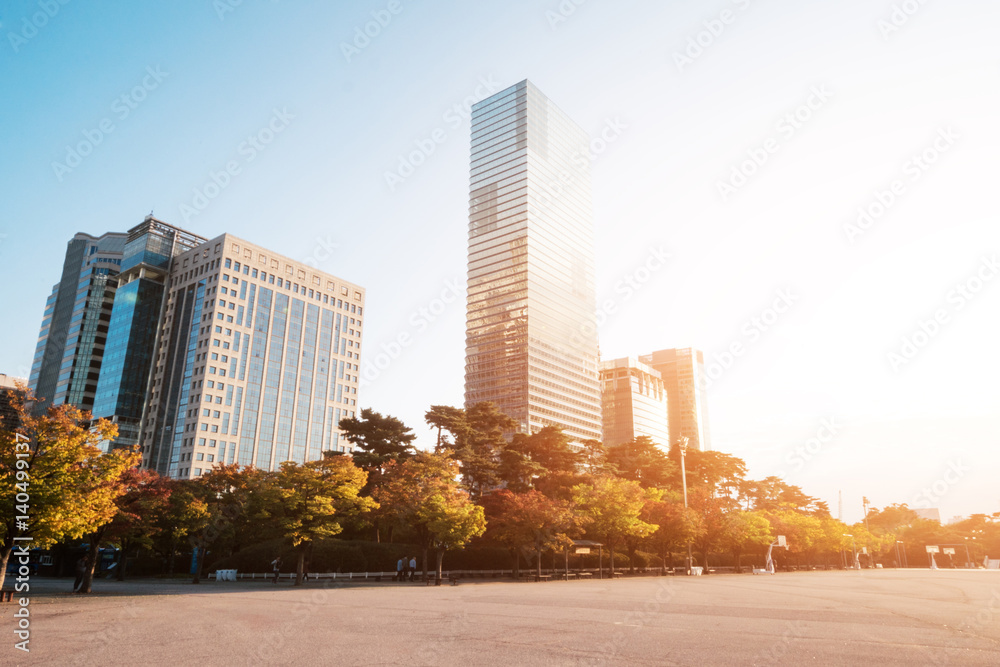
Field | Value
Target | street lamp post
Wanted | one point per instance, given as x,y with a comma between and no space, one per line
904,562
682,445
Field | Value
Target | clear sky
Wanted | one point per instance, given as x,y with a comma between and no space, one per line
740,137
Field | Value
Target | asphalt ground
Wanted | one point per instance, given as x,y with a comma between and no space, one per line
883,617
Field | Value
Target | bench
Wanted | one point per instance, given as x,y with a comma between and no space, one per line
542,577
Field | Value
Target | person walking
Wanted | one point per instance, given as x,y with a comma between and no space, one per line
399,570
276,568
413,566
80,570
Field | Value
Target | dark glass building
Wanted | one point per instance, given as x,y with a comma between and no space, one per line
135,324
74,330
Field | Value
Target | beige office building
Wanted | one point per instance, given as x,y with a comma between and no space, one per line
634,403
683,373
256,361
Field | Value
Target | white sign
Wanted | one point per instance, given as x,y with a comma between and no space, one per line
931,549
949,550
583,550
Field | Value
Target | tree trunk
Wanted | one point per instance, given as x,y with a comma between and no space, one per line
612,550
739,569
122,561
170,557
705,561
301,567
440,558
538,566
517,562
5,551
423,558
200,564
88,574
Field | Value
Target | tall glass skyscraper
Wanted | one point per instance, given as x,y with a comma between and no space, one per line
74,327
135,320
531,343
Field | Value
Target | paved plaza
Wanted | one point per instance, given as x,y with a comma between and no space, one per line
915,617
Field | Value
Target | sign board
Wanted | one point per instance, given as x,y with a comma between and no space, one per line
949,550
582,550
782,542
864,550
932,549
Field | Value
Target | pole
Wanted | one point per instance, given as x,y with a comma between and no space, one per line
683,447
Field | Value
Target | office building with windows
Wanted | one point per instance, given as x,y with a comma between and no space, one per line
684,378
74,330
214,351
634,403
531,340
135,319
256,363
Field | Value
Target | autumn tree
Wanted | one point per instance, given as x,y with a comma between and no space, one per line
678,527
423,494
134,525
528,521
58,484
314,498
611,509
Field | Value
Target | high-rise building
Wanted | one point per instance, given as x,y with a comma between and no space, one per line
256,361
634,403
531,343
683,373
74,330
217,351
135,323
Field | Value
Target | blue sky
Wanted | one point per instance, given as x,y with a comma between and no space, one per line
742,138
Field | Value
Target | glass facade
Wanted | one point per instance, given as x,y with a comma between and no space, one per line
135,323
74,329
634,403
531,343
683,373
257,368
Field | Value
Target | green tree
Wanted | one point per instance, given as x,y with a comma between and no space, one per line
185,513
641,460
379,440
478,438
134,524
312,500
743,530
678,527
611,509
